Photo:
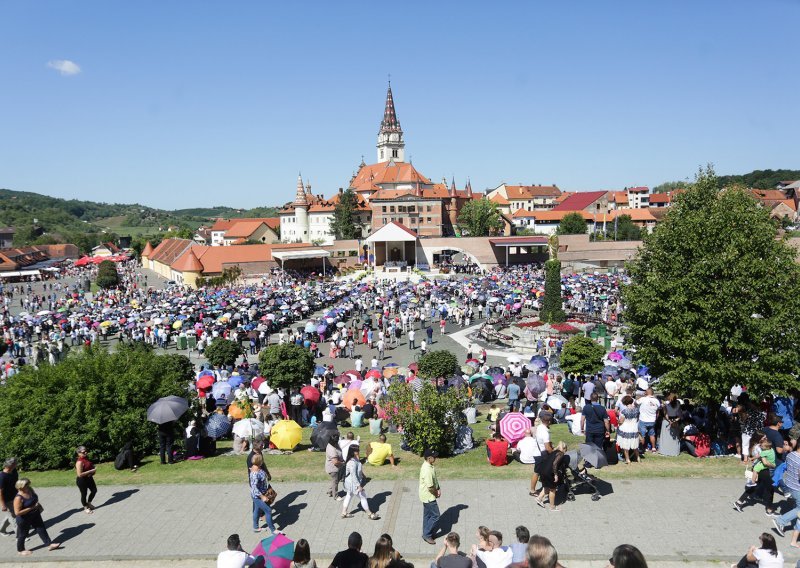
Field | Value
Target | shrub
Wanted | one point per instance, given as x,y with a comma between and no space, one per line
223,352
107,276
286,365
436,364
95,398
582,355
552,311
430,422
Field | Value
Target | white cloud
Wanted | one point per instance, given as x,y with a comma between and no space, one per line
64,66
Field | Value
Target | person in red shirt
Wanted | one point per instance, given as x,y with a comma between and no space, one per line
497,450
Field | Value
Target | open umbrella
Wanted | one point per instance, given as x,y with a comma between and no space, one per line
310,393
167,409
248,428
555,401
235,411
373,374
205,381
513,359
535,384
323,434
257,382
353,397
286,434
514,426
218,425
222,389
481,376
593,455
277,551
236,380
538,362
615,356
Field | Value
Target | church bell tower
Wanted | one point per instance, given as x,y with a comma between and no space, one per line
390,136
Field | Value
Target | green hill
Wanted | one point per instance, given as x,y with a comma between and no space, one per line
41,219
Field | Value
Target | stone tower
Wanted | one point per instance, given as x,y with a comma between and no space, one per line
301,212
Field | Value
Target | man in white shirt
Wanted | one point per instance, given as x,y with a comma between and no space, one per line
234,557
648,410
527,450
359,363
495,555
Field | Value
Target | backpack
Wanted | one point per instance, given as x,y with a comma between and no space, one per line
342,473
567,386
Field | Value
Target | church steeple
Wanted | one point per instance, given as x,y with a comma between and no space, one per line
300,197
390,136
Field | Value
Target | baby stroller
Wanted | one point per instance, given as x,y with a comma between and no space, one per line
578,476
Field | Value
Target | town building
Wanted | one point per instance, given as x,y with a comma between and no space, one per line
512,198
253,230
6,237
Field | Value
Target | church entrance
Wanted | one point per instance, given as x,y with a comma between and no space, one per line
395,254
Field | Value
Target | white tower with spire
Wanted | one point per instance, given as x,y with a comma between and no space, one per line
390,136
301,213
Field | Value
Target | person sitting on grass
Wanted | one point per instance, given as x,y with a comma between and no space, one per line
357,417
494,412
378,452
497,450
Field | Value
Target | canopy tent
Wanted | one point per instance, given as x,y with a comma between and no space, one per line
19,274
392,232
303,254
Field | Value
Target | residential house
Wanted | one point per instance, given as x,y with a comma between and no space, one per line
529,197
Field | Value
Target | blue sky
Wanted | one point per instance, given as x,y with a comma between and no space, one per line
186,104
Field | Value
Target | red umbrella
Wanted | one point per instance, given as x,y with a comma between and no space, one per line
342,379
310,394
413,367
257,382
375,374
205,382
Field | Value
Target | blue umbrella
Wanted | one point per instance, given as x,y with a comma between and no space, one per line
218,425
624,363
538,362
221,389
236,380
609,370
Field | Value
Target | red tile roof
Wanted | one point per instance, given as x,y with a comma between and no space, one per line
639,189
370,176
579,201
169,250
148,249
531,191
243,229
221,225
188,262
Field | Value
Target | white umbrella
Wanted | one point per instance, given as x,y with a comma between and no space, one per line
248,428
264,388
555,401
514,359
44,313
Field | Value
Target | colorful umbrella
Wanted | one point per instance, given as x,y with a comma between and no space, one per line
286,434
310,394
235,411
218,425
375,374
615,356
205,381
257,382
514,426
277,551
353,397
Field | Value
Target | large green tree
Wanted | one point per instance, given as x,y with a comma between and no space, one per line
107,275
286,365
93,397
223,352
714,296
623,229
437,364
342,225
582,355
572,224
480,218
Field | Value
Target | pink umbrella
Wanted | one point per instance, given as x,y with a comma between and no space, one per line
374,374
615,356
514,426
310,394
356,384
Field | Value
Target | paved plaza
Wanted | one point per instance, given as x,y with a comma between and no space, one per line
668,519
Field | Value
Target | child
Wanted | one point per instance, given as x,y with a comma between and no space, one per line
765,459
529,413
494,412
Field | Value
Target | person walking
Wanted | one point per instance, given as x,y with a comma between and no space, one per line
85,470
28,512
353,480
429,491
8,490
259,486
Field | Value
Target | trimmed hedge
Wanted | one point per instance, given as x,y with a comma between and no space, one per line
95,398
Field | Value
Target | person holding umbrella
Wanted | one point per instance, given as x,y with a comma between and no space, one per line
165,412
85,471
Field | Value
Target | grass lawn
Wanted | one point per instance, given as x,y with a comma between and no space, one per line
303,465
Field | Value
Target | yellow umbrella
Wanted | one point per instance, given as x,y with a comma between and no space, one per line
235,411
177,325
105,324
286,434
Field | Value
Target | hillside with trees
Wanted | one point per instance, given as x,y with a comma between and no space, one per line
41,219
757,179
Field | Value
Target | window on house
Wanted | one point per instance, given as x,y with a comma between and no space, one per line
411,209
429,219
381,154
429,209
391,209
394,153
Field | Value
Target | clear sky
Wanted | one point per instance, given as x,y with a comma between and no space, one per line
185,104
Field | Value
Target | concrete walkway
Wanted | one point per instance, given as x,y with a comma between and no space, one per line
670,520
